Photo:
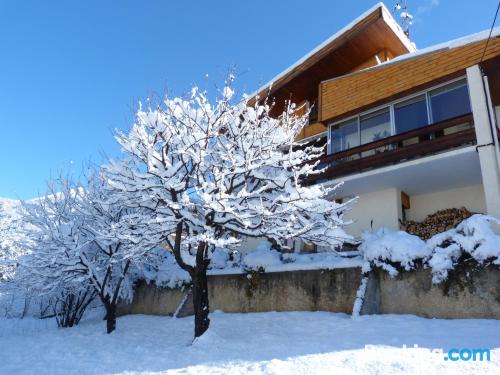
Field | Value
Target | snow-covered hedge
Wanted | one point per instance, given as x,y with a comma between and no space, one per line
474,237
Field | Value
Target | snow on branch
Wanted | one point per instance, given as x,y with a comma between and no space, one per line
224,170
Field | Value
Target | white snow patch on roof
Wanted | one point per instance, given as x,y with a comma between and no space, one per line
462,41
459,42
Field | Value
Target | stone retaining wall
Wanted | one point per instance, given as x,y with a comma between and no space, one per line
332,290
413,293
327,290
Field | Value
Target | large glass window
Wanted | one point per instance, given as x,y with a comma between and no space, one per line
443,103
375,126
410,114
449,101
344,136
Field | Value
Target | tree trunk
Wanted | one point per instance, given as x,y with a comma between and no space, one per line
200,292
110,317
200,302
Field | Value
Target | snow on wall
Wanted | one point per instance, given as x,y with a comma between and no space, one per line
170,275
476,237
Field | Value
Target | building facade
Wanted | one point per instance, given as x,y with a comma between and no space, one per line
408,131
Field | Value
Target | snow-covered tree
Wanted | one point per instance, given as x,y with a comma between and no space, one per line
215,173
120,244
14,299
51,268
85,244
12,239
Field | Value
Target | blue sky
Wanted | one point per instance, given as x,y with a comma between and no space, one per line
72,71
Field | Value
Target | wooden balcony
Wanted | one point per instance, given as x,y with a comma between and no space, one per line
428,140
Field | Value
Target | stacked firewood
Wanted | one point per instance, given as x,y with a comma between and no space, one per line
436,223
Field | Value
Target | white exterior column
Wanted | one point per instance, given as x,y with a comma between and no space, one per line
490,170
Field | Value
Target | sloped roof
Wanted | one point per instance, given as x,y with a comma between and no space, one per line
454,43
379,11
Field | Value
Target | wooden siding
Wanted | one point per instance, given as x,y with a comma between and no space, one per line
355,92
310,130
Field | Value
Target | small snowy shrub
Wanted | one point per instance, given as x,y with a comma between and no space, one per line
167,274
261,258
70,306
474,239
389,249
219,258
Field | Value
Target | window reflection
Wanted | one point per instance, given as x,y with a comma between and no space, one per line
450,101
410,114
345,136
443,103
375,126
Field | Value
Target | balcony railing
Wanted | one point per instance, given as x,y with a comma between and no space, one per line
430,139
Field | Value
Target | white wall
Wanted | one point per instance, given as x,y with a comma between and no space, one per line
470,197
383,207
249,244
486,147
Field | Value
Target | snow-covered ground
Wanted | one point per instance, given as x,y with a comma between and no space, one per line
276,343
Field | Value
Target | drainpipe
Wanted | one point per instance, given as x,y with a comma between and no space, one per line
492,117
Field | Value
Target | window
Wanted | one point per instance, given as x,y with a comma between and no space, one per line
449,101
344,136
433,106
411,114
375,126
313,112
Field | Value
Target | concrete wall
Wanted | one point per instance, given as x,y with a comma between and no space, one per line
470,197
333,290
324,290
414,293
383,207
150,300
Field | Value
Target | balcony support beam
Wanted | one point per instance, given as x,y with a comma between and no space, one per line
486,143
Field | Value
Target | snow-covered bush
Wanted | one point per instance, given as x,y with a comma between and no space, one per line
167,273
219,258
388,248
70,306
474,238
263,257
47,270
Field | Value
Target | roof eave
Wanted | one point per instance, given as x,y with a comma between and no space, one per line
386,17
